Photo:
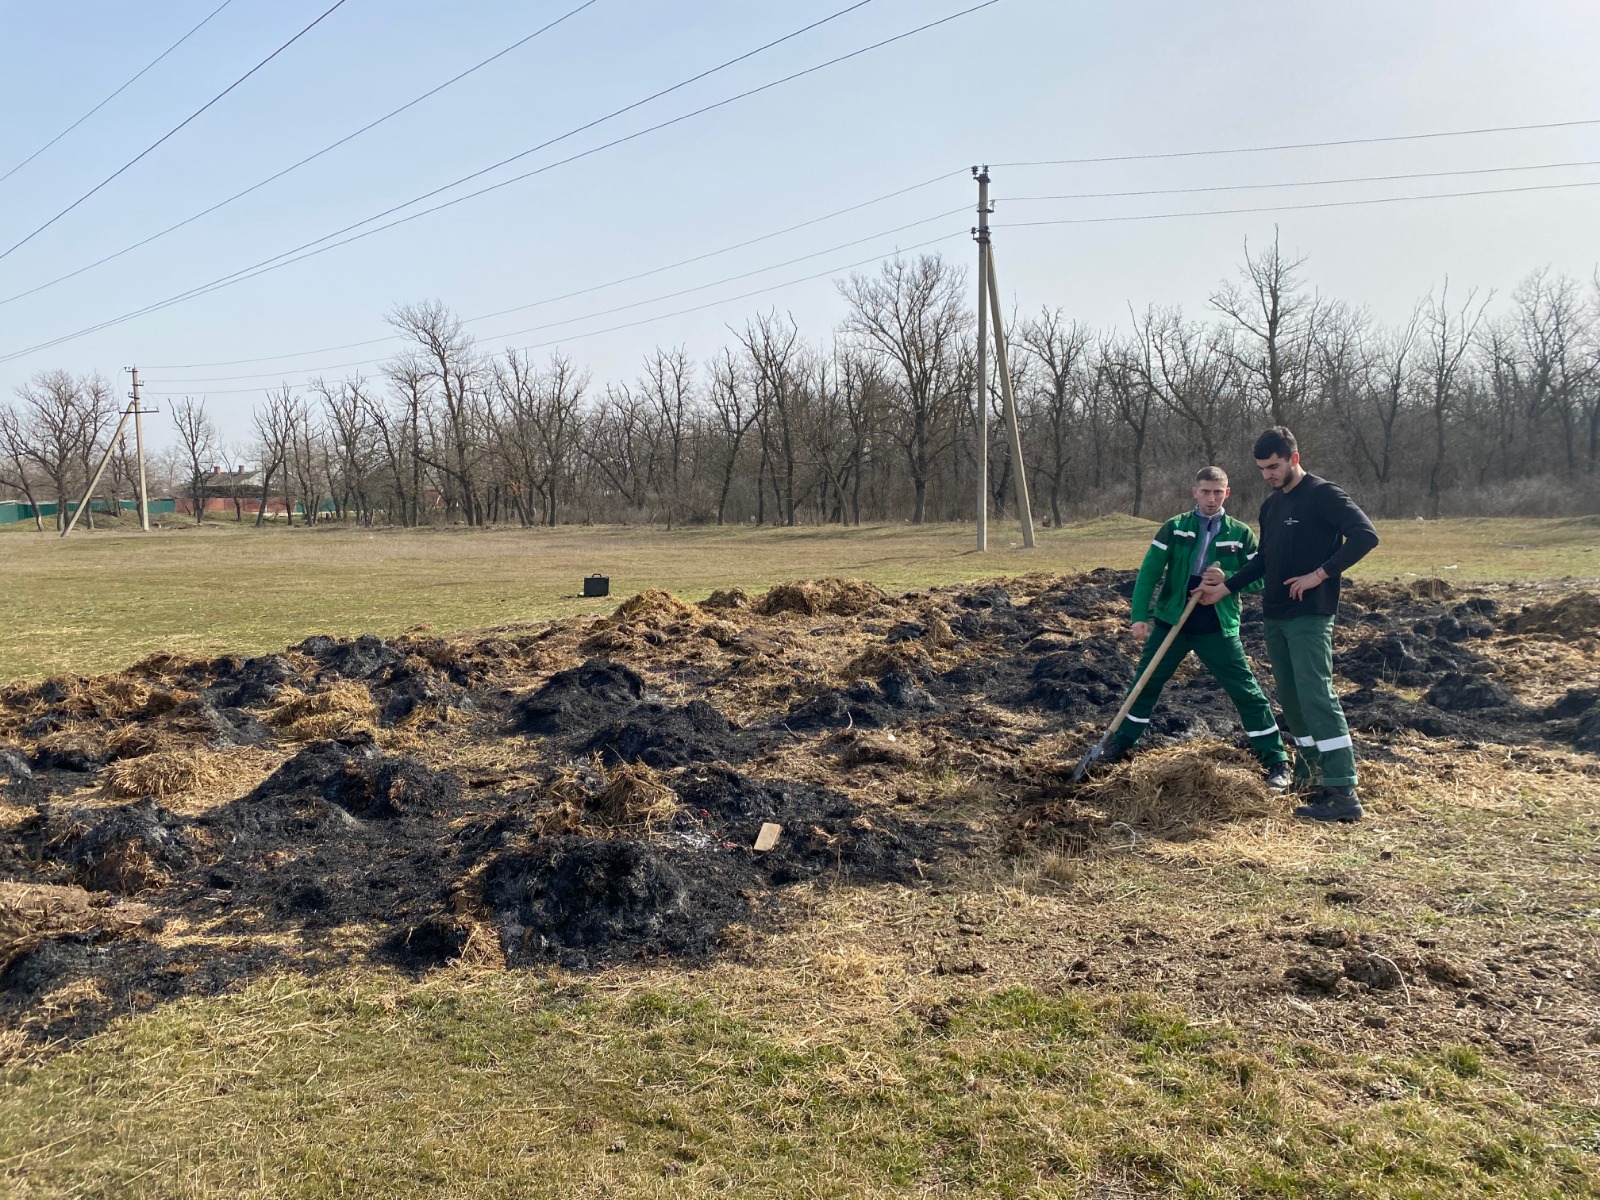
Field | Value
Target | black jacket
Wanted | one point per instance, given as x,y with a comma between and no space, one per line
1312,525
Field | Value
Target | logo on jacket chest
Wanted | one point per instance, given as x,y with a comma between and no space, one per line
1291,521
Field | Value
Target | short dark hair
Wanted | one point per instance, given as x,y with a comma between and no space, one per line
1211,475
1276,441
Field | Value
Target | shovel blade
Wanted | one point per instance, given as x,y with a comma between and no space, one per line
1090,757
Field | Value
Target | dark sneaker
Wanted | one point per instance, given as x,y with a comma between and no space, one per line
1332,804
1279,778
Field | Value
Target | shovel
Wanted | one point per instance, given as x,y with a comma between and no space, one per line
1092,755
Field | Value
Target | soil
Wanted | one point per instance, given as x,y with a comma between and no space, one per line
901,742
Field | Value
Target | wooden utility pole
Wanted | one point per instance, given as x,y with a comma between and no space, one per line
989,311
981,235
138,444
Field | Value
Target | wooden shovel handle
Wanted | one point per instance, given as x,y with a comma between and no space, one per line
1155,661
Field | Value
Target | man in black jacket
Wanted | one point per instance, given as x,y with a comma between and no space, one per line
1311,532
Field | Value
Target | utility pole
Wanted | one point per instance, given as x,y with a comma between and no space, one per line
136,411
981,235
138,443
1013,426
88,492
989,311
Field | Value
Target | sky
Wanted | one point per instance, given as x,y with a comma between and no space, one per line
1016,82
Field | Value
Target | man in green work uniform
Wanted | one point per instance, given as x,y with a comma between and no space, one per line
1311,533
1172,569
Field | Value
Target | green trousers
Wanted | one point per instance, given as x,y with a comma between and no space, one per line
1224,657
1301,650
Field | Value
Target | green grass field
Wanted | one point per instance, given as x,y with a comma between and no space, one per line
100,601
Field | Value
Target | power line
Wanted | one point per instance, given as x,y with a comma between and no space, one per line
1011,224
135,79
1267,208
682,262
1361,141
1247,187
254,187
336,4
606,312
267,264
284,259
246,271
962,233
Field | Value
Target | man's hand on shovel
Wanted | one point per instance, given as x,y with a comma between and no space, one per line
1213,585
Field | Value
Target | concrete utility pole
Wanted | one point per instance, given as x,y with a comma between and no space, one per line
989,310
1013,427
136,412
138,443
980,234
98,471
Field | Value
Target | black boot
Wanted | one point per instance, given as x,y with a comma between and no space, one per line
1332,804
1114,752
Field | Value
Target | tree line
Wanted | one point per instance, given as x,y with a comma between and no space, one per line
1470,405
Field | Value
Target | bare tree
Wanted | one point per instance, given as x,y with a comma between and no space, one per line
735,407
774,351
1132,400
198,449
1187,367
348,409
1277,319
668,387
444,353
62,422
17,463
274,428
914,315
1449,337
1369,375
1060,348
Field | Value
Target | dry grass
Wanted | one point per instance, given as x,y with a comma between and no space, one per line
277,586
339,710
1571,616
165,666
1192,791
655,607
727,598
127,868
30,911
1182,791
992,1035
594,799
167,773
879,658
814,597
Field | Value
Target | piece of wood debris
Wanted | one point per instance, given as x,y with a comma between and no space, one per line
767,838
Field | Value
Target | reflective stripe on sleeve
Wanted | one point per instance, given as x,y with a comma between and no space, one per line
1158,545
1140,720
1338,743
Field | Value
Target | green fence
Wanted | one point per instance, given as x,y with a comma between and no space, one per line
12,511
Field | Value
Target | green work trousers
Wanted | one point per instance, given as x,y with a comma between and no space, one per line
1301,650
1224,657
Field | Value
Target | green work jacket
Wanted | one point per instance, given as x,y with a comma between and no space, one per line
1163,585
